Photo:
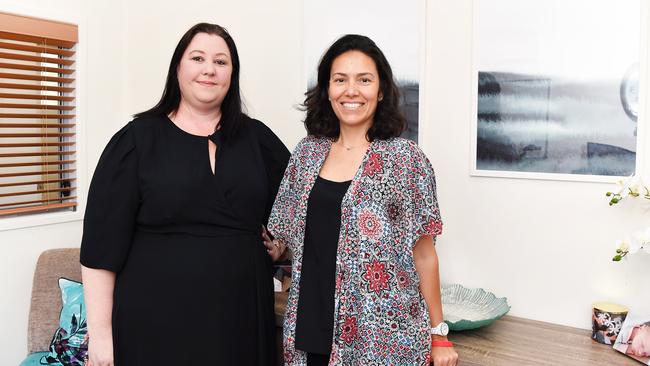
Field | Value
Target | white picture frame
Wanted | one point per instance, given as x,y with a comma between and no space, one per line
501,29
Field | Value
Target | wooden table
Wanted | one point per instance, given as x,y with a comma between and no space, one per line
518,341
513,341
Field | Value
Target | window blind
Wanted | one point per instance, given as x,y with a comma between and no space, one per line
37,115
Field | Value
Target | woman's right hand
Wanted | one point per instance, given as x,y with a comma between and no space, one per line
274,247
100,350
98,294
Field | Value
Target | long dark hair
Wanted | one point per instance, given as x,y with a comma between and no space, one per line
389,121
231,107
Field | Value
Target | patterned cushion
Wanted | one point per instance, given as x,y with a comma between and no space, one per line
34,359
69,345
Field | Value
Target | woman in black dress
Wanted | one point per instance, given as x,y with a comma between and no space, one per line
173,264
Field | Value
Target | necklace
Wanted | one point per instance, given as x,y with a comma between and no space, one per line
348,148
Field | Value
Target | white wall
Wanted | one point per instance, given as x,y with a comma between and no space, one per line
545,245
268,37
101,24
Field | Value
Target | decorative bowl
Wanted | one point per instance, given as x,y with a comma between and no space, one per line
465,308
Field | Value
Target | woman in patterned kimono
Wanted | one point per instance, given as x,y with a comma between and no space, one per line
357,208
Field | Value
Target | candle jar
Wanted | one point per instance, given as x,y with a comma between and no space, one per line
607,319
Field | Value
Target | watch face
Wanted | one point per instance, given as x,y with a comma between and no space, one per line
444,328
441,329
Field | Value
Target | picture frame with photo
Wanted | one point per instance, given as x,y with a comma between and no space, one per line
634,338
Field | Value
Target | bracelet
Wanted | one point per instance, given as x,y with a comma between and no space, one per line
442,344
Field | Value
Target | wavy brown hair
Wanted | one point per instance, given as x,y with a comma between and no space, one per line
389,121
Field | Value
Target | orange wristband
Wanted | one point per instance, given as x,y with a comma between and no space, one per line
442,344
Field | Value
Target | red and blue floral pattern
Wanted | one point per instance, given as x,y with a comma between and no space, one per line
380,316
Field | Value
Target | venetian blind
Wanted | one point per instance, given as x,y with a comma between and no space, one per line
37,115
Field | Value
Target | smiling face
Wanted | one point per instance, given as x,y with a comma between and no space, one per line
354,89
204,71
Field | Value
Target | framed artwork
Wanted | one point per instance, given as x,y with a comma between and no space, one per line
555,89
398,30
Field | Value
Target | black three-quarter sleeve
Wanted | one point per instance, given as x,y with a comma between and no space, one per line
276,157
113,202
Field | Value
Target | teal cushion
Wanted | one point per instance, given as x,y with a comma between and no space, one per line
35,360
69,345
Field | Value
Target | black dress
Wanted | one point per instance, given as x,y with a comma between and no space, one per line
193,284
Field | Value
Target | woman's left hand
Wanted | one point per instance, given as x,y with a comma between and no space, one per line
444,356
274,247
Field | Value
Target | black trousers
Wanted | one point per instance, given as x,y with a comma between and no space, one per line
314,359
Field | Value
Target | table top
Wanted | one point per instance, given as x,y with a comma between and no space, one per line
513,341
518,341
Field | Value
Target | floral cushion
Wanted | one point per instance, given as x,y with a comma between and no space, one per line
69,345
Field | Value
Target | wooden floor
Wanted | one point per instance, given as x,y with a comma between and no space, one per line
513,341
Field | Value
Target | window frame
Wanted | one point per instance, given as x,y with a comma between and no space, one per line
57,217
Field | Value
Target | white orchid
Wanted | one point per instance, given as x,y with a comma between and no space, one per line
631,187
640,240
623,245
635,245
622,249
643,236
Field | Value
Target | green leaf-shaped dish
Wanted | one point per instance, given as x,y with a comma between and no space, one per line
465,308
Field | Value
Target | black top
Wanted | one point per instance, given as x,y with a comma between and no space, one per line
192,273
155,177
315,317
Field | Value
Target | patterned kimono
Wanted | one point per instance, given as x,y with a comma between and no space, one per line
380,316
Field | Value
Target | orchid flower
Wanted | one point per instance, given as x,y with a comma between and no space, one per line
631,187
640,240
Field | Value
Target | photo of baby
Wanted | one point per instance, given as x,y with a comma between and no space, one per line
634,338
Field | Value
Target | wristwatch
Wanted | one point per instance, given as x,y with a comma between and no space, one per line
441,329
